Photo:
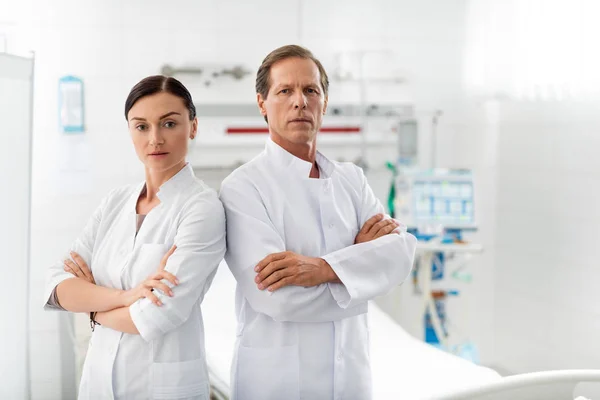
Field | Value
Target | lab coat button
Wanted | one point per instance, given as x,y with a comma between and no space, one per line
331,226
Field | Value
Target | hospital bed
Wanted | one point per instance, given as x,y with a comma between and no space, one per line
547,385
403,367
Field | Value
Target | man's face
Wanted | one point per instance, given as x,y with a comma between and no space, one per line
295,103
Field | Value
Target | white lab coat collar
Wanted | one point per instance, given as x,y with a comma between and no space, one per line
284,159
173,186
177,183
168,190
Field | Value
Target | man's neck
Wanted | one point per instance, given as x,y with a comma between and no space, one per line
304,151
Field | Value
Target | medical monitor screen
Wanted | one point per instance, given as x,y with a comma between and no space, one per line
449,203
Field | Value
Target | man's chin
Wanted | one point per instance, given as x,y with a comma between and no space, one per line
302,137
296,137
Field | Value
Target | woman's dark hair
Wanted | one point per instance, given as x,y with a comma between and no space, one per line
156,84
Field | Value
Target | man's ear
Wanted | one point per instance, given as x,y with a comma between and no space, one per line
261,104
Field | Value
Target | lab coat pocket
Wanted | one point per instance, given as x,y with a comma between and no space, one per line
180,380
146,262
268,373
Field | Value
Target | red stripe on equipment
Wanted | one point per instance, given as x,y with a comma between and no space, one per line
325,129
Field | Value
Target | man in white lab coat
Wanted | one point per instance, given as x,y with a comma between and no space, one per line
309,246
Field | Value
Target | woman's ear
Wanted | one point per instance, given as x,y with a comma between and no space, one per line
194,131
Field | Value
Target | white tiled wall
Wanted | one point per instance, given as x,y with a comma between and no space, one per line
112,44
547,306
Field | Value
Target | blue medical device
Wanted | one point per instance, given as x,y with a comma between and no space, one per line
431,201
435,203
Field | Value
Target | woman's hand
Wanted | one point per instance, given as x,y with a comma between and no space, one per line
154,281
79,268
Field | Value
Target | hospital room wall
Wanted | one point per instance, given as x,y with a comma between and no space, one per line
111,45
548,236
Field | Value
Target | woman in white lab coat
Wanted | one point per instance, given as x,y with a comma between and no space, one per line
145,260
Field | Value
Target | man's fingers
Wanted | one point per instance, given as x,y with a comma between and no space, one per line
377,228
270,269
370,222
273,278
163,261
269,259
287,281
389,228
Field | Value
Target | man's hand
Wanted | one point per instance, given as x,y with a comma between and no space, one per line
376,227
290,269
79,268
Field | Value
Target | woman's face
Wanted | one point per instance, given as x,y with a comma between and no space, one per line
160,128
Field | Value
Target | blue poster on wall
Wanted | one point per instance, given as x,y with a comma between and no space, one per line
70,104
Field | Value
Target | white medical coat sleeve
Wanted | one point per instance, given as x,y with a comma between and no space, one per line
200,241
84,246
251,237
374,268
